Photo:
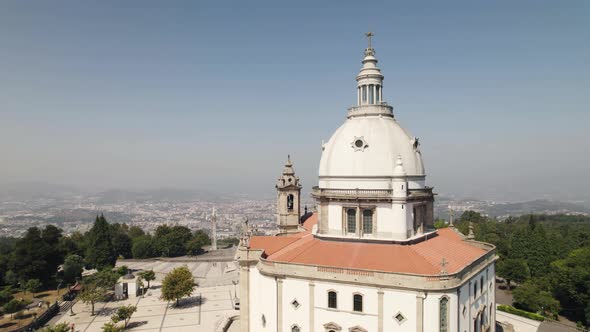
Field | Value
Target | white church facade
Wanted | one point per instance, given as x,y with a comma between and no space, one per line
369,258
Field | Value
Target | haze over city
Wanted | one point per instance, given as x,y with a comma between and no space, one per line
213,96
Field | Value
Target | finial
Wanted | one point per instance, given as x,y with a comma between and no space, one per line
289,159
369,36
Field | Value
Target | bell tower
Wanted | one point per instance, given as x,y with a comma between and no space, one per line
288,203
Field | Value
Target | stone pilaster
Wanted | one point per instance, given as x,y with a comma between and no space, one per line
380,310
279,305
420,312
245,298
311,306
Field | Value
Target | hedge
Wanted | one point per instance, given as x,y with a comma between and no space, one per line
522,313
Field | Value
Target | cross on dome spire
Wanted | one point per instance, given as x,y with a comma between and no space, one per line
369,51
369,35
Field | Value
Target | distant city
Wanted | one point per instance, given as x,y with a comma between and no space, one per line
74,211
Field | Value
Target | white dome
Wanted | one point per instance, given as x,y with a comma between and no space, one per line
383,140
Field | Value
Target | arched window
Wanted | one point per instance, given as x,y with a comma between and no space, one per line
481,289
357,302
367,221
290,202
332,300
443,314
351,220
295,328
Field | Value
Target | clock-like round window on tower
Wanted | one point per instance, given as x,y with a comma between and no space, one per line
359,143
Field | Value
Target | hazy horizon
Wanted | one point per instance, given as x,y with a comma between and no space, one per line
143,94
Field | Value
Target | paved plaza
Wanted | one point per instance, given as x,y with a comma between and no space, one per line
209,306
206,274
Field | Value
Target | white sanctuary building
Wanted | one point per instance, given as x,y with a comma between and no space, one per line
369,259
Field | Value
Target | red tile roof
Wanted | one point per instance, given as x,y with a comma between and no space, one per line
419,258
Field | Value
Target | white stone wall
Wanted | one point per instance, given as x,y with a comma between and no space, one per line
474,303
335,218
294,289
263,301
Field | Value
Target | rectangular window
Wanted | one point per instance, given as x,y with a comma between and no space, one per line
367,221
378,88
371,94
364,93
351,220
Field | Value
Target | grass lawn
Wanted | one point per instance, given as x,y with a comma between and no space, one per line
7,323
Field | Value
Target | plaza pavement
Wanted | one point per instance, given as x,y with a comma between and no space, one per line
210,304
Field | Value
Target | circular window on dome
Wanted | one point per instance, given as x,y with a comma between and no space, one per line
359,144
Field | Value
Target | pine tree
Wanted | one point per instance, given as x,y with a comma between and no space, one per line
100,252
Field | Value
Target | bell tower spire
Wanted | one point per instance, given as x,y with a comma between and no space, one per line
288,199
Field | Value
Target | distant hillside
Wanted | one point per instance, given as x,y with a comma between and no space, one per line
495,209
537,207
160,195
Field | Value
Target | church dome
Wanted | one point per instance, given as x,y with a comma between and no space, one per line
368,146
371,143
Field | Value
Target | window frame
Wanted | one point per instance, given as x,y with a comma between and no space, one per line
331,291
347,220
372,228
446,314
354,302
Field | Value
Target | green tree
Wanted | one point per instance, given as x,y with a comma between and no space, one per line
530,297
73,267
13,306
172,241
178,284
100,252
33,286
123,314
198,241
111,327
122,270
60,327
6,295
105,278
91,295
571,282
440,223
513,270
148,276
30,257
11,278
143,247
135,232
121,241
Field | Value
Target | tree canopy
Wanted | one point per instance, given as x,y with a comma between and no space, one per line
178,284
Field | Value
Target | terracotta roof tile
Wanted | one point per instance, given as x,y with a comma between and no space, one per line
421,258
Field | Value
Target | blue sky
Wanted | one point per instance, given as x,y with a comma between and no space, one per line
214,95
